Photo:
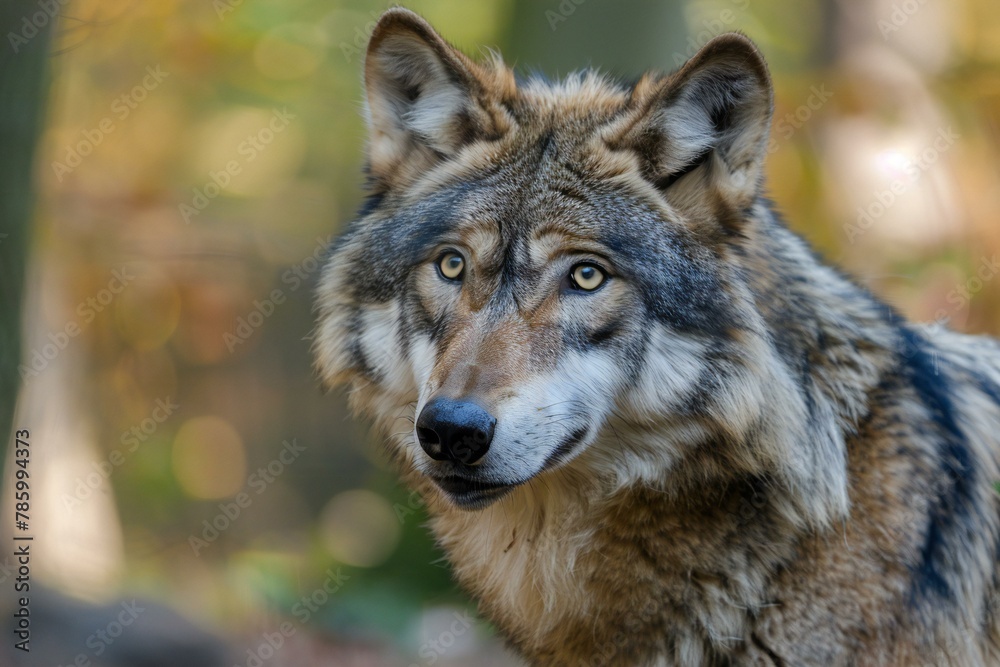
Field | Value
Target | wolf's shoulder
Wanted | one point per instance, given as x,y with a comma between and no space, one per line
966,372
975,358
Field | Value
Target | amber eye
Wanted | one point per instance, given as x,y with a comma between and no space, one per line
586,277
451,266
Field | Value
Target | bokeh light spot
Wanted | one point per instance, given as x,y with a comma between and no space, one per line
209,458
147,310
290,51
252,151
359,528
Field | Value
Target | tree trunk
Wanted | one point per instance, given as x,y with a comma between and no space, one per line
24,56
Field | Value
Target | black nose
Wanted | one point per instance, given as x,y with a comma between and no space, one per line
451,430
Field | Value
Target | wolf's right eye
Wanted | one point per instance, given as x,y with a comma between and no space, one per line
451,266
586,277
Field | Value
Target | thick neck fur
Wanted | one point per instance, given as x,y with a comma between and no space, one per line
567,567
834,332
695,552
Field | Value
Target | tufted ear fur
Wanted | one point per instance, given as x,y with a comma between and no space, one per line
701,134
425,98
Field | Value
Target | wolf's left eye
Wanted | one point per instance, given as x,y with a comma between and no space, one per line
451,266
586,277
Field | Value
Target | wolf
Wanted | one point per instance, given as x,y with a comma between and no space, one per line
650,425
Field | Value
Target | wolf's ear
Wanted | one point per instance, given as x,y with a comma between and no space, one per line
423,96
705,128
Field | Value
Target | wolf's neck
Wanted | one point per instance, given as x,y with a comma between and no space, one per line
822,322
558,564
830,330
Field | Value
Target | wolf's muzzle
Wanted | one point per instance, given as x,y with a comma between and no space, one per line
455,430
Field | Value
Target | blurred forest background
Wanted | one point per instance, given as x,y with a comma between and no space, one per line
194,160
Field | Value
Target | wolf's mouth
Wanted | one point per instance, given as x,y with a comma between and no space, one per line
472,493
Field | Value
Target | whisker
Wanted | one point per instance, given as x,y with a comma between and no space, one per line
546,407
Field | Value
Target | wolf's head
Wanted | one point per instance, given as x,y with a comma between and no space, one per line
548,277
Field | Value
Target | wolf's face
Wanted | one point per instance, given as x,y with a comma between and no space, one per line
547,270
